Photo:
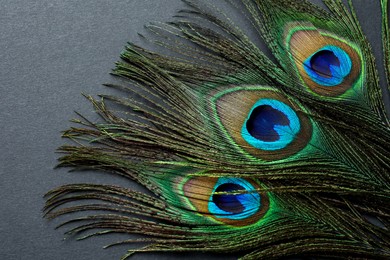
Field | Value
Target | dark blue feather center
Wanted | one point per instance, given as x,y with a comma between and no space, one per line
229,202
262,121
322,61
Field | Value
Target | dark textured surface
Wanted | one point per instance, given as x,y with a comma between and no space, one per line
50,52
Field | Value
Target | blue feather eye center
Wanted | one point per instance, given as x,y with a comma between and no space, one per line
322,61
262,122
271,125
229,201
234,198
328,66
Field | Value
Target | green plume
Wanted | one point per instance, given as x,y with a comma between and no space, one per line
241,152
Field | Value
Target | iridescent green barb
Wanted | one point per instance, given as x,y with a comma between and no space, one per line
240,152
386,43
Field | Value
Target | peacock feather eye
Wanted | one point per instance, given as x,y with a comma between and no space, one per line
327,64
271,125
262,122
232,201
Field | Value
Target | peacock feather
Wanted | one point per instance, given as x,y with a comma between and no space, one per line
240,151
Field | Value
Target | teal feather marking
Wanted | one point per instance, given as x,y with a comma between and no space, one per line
238,205
327,72
285,130
241,153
